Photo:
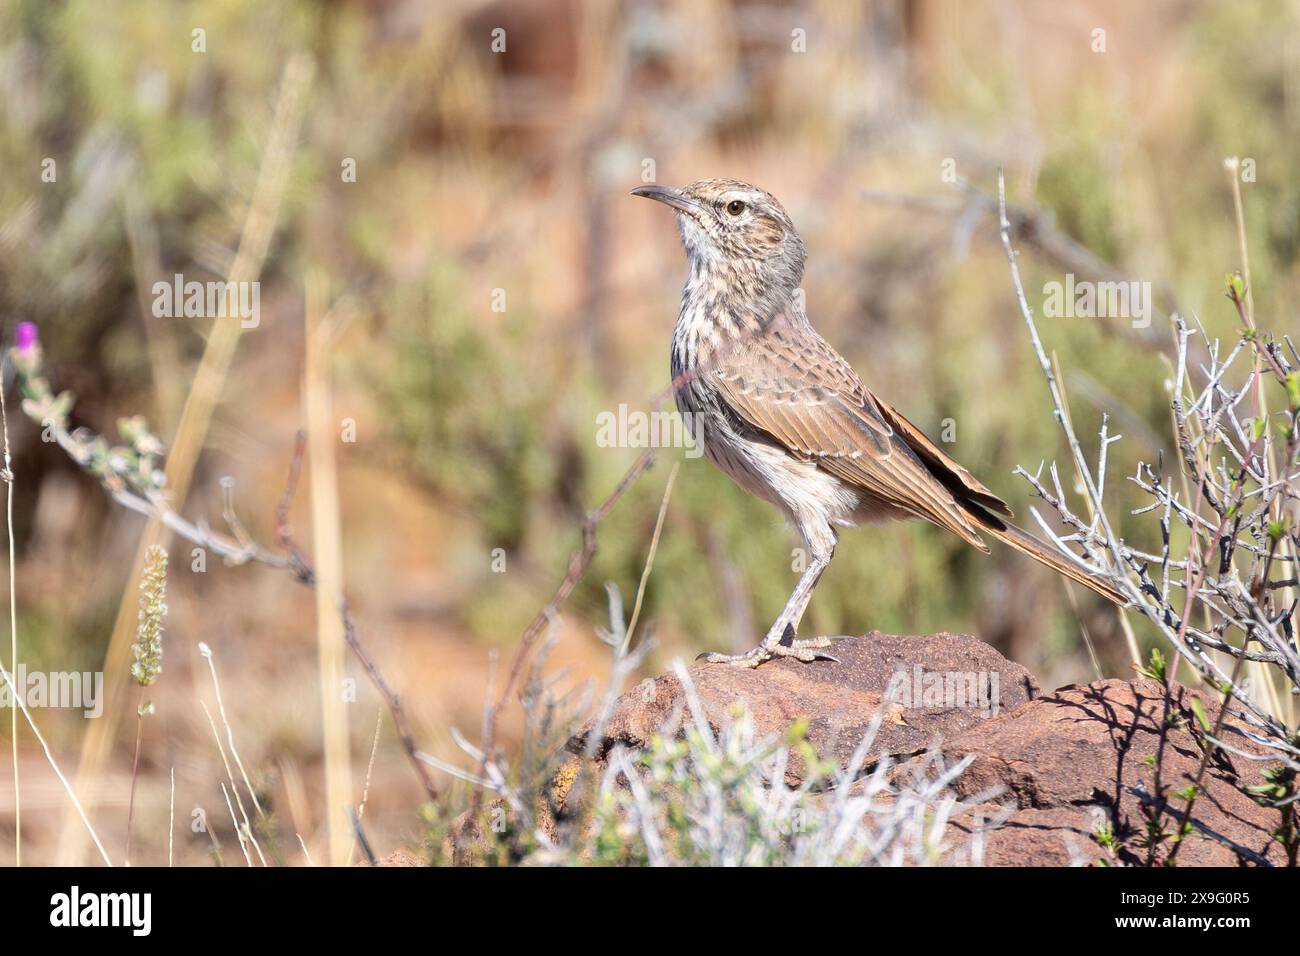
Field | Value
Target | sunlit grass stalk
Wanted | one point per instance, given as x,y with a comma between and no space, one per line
328,562
8,476
365,787
650,557
239,830
49,758
171,820
206,653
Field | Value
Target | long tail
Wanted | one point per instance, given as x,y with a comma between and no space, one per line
1026,543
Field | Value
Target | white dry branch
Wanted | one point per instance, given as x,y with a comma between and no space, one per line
1234,564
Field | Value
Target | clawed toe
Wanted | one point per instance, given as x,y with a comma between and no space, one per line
810,642
808,651
749,659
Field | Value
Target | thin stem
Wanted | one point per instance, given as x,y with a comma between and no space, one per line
49,757
8,476
579,562
135,772
171,819
650,557
1076,450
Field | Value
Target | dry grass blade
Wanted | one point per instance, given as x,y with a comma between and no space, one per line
245,828
206,653
370,769
8,477
650,557
327,543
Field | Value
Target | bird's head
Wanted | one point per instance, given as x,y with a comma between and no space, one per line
730,226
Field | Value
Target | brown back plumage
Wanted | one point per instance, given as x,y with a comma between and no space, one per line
791,385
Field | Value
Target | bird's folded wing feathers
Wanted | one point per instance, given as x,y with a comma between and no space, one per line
812,404
941,465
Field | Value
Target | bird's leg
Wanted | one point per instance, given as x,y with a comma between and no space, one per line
780,641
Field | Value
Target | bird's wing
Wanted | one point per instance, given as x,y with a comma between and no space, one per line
952,473
790,385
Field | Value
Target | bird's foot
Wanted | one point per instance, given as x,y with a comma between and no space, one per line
807,651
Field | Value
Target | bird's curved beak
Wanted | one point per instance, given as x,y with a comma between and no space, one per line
670,197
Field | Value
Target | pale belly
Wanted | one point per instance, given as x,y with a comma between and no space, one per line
812,499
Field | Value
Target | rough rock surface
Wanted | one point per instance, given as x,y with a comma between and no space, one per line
1068,763
1076,759
840,700
399,858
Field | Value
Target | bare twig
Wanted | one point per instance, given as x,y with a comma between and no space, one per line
579,562
1227,467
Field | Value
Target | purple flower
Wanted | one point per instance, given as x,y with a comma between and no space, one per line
26,337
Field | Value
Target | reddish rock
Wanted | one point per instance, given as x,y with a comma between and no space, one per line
401,858
1074,761
1067,764
946,685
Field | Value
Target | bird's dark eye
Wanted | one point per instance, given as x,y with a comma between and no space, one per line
735,207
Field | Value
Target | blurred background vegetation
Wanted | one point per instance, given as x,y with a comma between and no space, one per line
482,175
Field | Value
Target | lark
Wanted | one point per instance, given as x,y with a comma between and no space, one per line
786,417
